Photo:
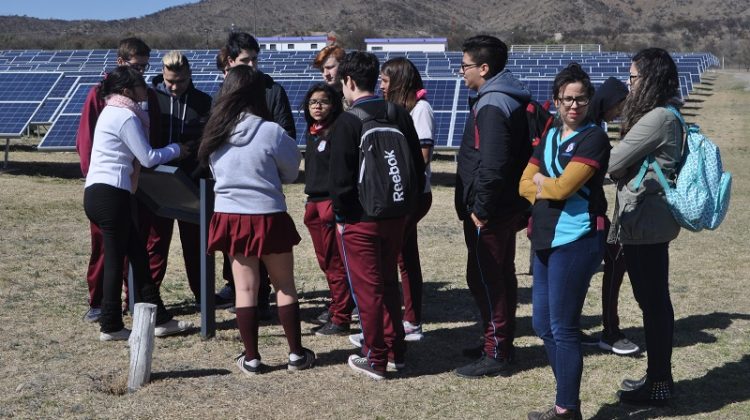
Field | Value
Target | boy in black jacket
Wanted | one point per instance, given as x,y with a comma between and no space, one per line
369,246
494,151
184,112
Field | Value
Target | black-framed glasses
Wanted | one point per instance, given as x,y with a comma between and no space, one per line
468,66
634,77
579,100
321,102
139,67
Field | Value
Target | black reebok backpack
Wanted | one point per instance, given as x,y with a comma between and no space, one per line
387,185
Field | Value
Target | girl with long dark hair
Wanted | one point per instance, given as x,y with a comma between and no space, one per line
402,84
642,223
119,149
250,157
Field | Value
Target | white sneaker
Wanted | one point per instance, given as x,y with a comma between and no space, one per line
357,339
413,332
121,335
172,327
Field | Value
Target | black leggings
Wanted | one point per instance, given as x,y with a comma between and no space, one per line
109,208
648,268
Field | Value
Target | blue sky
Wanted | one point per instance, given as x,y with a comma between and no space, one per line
86,9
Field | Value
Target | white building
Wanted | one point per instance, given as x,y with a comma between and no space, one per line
406,44
292,43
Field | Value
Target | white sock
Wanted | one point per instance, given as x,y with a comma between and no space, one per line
293,357
253,363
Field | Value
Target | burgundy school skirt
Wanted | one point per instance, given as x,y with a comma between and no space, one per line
252,235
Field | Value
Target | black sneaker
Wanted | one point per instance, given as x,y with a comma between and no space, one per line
323,318
631,384
485,366
587,340
473,352
306,362
552,414
361,365
329,328
651,393
246,367
222,302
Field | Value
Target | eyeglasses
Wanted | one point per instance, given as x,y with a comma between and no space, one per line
633,77
323,103
579,100
468,66
138,66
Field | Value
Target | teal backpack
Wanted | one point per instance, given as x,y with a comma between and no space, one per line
700,198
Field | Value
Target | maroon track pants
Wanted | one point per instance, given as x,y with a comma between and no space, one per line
369,251
491,277
320,221
409,265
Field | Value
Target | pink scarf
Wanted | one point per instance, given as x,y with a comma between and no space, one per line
122,101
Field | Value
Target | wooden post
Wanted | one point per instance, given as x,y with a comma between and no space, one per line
141,343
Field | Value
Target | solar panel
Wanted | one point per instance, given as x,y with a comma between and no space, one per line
441,93
62,87
26,87
47,111
15,117
296,90
62,134
76,101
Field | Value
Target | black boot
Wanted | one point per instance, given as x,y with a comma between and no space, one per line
650,393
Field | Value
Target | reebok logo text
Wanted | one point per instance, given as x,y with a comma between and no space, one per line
395,174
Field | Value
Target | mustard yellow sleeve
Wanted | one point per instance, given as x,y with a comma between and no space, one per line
572,179
527,188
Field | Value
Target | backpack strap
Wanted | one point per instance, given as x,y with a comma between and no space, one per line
649,160
360,113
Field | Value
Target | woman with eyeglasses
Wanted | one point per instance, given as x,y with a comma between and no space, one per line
250,157
651,131
321,106
402,84
564,181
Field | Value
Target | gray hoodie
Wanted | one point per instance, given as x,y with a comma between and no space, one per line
251,166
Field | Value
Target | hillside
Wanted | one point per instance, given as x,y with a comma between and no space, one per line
722,27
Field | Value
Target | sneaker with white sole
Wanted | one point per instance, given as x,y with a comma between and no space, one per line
396,366
306,362
121,335
413,332
92,315
357,339
361,365
172,327
618,345
249,367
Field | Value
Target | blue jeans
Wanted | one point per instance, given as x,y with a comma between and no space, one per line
561,279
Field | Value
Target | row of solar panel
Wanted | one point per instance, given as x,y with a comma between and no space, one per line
57,98
300,62
63,104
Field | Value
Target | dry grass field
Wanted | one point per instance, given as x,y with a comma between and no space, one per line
53,366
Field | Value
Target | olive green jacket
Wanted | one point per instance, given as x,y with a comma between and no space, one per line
642,215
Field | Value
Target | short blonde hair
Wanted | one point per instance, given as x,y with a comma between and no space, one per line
175,61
